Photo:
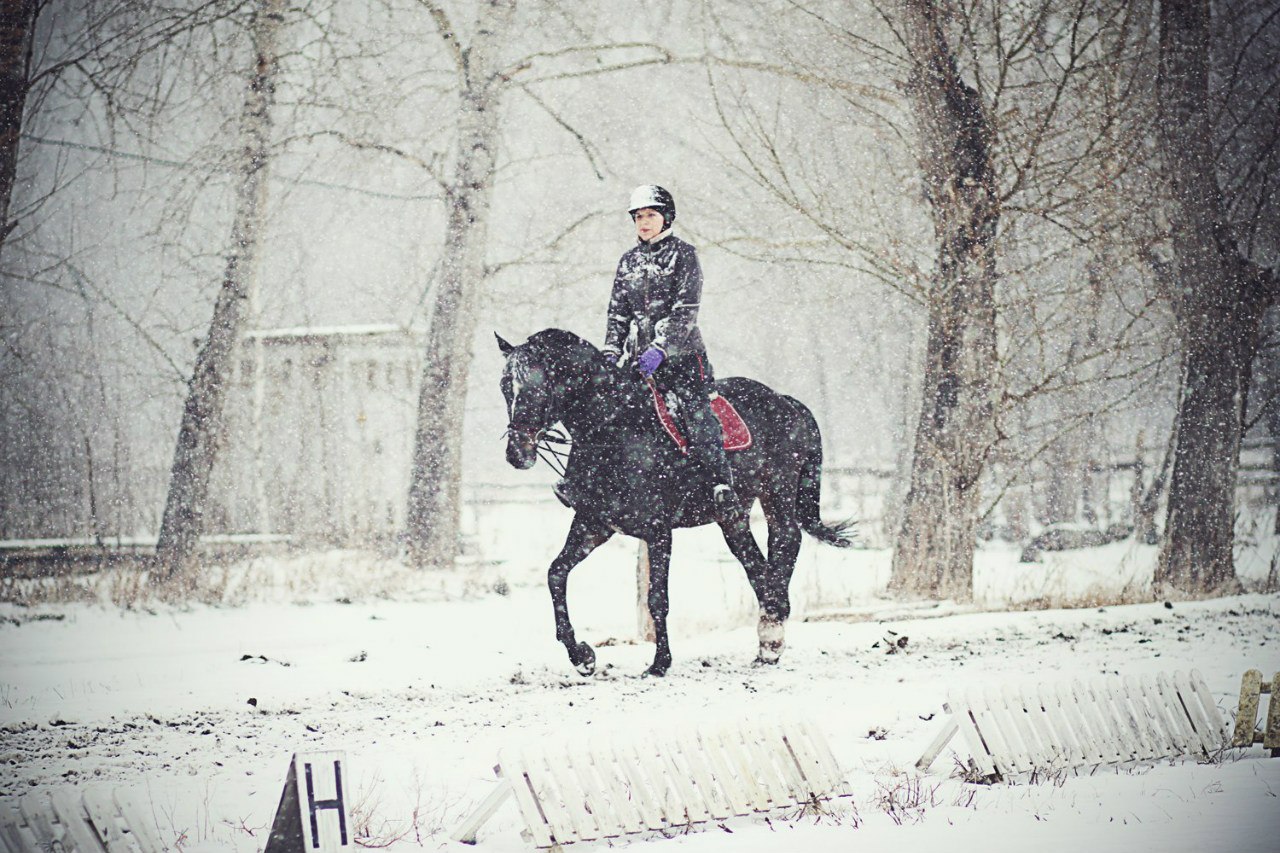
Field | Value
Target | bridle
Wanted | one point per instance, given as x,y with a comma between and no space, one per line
543,440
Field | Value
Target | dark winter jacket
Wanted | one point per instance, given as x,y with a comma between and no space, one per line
658,287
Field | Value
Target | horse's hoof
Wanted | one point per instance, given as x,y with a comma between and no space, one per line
762,660
772,639
584,659
660,665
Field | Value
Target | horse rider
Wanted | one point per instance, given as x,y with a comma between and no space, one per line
654,308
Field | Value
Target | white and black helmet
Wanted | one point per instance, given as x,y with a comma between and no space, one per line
655,197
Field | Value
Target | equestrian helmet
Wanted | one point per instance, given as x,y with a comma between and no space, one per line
655,197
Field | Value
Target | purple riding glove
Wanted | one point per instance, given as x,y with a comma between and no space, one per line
649,360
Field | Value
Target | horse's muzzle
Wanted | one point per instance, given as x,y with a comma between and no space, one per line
522,451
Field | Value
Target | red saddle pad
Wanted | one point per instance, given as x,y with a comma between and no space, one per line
733,429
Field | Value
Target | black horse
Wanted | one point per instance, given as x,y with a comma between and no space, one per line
631,478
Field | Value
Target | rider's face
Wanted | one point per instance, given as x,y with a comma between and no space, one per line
648,223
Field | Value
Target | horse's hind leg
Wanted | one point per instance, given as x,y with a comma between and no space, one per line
737,535
584,537
784,547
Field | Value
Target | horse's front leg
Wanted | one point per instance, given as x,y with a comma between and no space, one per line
584,537
659,603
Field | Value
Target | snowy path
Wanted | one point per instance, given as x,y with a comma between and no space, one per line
422,695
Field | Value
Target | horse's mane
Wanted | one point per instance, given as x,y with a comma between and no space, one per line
561,339
584,354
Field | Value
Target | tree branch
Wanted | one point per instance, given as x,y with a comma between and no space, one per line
447,34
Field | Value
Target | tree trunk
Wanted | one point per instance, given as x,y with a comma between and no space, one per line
17,21
1218,301
1273,426
435,485
200,434
956,428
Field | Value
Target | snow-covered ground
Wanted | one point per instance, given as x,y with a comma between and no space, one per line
421,679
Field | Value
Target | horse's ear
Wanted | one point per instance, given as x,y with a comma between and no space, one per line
503,345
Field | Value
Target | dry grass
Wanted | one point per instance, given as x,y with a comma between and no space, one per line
906,797
130,582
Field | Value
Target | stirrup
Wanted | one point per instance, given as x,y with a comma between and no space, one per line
724,499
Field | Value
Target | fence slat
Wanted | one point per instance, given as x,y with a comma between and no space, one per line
1150,734
986,731
37,812
593,791
535,819
1211,712
712,795
837,782
1247,715
1037,753
560,798
1189,702
1110,694
755,741
1050,749
726,774
796,747
979,749
755,795
1070,709
141,821
1184,736
687,794
103,813
1135,704
1104,733
995,730
607,765
659,784
71,815
637,787
1064,737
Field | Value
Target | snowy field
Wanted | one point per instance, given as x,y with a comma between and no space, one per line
421,679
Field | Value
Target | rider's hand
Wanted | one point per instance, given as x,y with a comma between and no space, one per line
649,360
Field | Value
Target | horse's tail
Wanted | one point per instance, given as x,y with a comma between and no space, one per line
809,489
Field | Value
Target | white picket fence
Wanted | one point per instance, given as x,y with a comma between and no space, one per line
1109,720
99,821
648,781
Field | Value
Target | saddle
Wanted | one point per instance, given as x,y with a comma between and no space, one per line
736,435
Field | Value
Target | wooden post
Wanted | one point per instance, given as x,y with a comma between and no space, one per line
644,620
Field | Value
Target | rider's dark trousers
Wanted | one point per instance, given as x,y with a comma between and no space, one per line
690,379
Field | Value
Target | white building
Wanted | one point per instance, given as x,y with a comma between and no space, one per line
319,438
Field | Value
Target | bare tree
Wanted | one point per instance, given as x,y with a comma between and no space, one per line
484,76
1218,295
17,21
432,519
1026,136
934,554
202,418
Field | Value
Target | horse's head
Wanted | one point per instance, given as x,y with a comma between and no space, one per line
538,378
529,399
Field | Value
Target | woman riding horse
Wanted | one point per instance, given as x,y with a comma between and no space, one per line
656,293
636,481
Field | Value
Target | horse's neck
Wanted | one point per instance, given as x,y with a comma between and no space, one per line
594,405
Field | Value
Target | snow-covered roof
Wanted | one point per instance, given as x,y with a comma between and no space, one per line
313,332
135,541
